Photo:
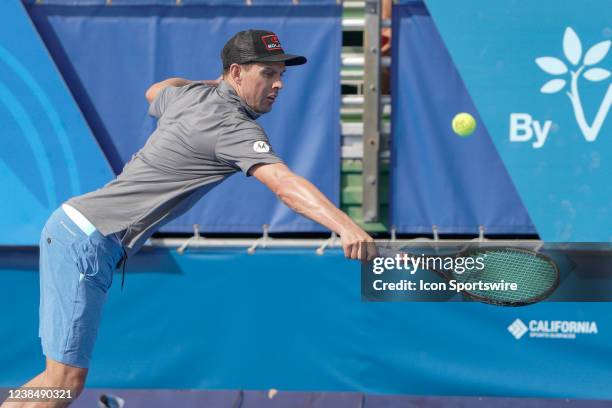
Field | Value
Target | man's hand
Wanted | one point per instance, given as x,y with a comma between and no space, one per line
304,198
357,244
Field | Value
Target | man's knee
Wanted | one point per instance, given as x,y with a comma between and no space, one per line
66,376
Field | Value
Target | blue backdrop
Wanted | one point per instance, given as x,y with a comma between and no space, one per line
292,320
48,153
437,177
110,55
539,74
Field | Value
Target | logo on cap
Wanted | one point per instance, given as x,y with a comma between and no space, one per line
271,42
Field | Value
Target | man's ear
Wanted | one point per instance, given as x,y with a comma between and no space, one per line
235,72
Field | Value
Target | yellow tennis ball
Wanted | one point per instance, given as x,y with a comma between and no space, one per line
464,124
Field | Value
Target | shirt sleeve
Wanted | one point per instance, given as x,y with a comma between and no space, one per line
162,100
245,148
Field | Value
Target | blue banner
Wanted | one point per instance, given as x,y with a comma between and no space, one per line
292,320
48,153
437,177
539,74
109,56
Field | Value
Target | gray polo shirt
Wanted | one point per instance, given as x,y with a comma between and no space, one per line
204,135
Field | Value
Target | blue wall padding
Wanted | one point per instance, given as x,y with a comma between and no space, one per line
292,320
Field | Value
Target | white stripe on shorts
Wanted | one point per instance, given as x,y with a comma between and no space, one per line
79,219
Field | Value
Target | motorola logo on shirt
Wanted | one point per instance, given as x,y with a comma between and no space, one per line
261,147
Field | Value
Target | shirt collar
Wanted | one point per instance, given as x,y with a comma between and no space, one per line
227,90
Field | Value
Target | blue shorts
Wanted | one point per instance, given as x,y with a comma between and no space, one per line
76,271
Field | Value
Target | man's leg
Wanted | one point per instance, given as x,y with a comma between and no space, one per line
36,381
75,274
57,376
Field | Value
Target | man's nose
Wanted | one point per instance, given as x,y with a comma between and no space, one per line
278,84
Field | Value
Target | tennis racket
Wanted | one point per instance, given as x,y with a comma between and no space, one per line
536,275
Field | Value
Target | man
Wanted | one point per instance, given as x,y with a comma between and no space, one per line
205,133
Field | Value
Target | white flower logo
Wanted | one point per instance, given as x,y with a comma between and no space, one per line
572,48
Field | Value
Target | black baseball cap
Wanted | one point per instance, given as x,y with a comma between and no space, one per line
256,46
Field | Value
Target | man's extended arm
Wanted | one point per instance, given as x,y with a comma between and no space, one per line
303,197
155,88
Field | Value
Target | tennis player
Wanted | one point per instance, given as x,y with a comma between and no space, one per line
206,132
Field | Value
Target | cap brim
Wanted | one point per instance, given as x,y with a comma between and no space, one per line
288,59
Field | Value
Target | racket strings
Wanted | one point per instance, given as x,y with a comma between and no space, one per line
533,275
